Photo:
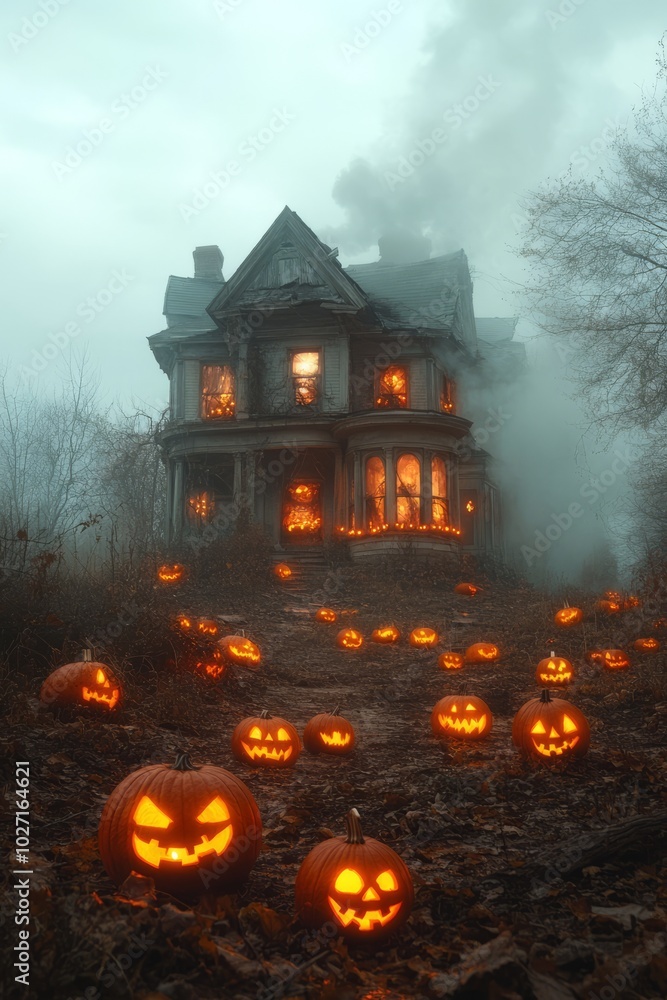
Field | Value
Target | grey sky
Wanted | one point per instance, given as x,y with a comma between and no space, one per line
340,115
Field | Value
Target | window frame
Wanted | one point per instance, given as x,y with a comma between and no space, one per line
294,379
405,367
204,396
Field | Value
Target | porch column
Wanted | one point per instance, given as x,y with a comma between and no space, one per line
169,476
178,499
453,491
239,494
389,487
427,489
359,519
338,493
251,476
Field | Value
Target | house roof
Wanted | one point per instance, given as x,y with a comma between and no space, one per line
495,328
189,297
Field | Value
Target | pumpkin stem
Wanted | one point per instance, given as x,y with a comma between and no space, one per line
335,711
545,696
86,655
183,762
353,825
553,652
265,714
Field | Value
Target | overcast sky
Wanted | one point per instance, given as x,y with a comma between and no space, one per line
329,107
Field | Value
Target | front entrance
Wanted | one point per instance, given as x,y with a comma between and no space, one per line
302,512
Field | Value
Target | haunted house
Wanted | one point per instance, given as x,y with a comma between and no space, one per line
332,402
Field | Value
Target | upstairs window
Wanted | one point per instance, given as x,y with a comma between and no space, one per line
392,389
306,377
447,395
217,392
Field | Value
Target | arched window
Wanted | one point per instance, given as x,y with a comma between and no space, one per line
375,492
439,513
392,388
408,490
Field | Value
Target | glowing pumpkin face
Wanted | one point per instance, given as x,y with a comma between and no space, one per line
423,638
173,573
184,623
207,626
649,645
282,571
481,652
237,649
329,733
349,638
86,683
568,616
631,602
614,659
175,823
325,615
359,883
549,728
213,664
450,661
467,589
463,717
266,741
554,671
386,634
610,607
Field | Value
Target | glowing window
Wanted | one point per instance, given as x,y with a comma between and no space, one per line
217,392
438,491
306,377
447,395
375,492
201,507
408,490
392,389
302,511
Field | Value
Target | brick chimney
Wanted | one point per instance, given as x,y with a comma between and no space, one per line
403,247
208,263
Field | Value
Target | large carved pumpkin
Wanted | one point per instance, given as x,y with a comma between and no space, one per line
266,741
554,671
481,652
237,649
568,616
386,634
649,645
85,683
330,733
549,728
171,573
358,884
450,661
423,637
191,829
462,717
467,589
349,638
325,615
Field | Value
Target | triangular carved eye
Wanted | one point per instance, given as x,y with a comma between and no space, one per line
148,814
387,881
470,707
568,725
255,733
349,881
538,729
215,812
100,677
282,734
454,708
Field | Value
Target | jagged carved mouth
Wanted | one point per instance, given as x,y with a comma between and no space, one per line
109,699
335,739
268,753
555,678
552,750
154,854
466,726
365,920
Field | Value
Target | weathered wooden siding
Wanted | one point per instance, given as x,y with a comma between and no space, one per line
334,358
191,390
418,396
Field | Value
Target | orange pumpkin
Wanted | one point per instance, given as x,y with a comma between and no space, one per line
614,659
358,883
190,829
609,607
481,652
593,656
549,728
450,661
330,733
266,741
468,589
184,622
631,602
173,573
649,645
568,616
423,637
207,626
213,664
554,671
282,571
237,649
385,634
325,615
612,595
462,717
85,683
349,638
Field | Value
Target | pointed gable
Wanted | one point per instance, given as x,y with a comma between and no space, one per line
289,266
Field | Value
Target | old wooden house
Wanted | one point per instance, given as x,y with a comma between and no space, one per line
332,401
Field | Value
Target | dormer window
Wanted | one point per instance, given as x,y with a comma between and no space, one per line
218,398
392,388
447,395
305,368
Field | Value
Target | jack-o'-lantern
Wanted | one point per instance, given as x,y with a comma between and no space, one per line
481,652
631,602
266,741
325,615
461,716
213,664
330,733
282,571
612,595
467,589
423,638
593,656
568,616
450,661
549,727
207,626
358,883
609,607
385,634
349,638
649,645
184,622
191,829
85,683
171,573
614,659
554,671
237,649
